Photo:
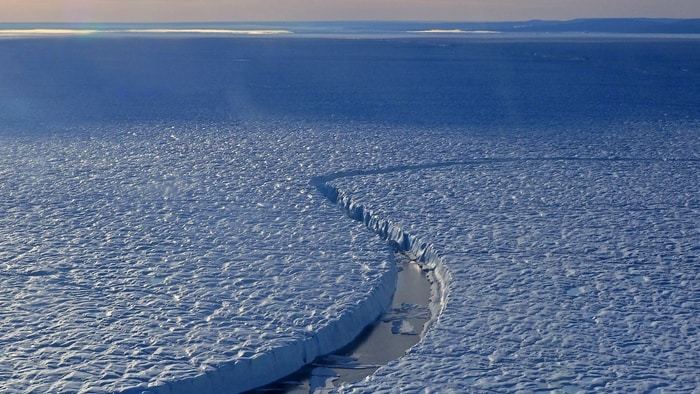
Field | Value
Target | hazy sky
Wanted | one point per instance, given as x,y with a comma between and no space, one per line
279,10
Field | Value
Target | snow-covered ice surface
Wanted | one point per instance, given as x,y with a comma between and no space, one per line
565,274
162,225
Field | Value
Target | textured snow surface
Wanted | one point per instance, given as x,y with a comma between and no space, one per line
166,255
566,274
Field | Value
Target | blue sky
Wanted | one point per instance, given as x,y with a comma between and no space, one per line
283,10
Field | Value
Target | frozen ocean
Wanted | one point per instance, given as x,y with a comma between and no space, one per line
185,210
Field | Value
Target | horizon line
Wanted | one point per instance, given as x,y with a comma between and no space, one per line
359,21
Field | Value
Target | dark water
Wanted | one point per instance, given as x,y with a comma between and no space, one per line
469,82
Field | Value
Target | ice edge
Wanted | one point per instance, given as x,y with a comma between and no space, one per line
265,368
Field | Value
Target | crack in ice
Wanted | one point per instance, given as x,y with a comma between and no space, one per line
423,252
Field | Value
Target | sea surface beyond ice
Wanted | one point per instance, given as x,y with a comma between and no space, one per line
162,221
